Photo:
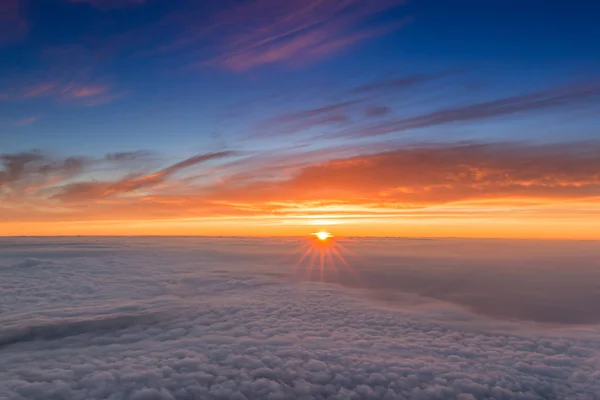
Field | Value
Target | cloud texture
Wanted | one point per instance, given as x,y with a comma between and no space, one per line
421,181
192,318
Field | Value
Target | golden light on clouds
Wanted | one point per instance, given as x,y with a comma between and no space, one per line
448,190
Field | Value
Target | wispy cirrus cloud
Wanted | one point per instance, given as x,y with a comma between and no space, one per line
297,121
28,121
566,96
74,85
84,91
76,93
302,30
81,191
371,110
353,108
69,75
262,32
38,90
377,111
88,95
127,156
400,83
245,35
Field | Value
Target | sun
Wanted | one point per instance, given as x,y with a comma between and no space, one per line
323,253
322,235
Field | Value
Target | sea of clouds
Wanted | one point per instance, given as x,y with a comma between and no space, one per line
217,318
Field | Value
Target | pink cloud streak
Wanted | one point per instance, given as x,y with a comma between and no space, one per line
269,31
27,121
39,90
86,91
85,94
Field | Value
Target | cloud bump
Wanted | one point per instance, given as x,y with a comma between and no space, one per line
146,327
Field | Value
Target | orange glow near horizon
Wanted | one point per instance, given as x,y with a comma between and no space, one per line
433,223
485,191
322,235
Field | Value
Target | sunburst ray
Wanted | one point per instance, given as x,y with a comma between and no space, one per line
321,255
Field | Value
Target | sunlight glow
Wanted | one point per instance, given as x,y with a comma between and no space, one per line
322,235
323,255
322,222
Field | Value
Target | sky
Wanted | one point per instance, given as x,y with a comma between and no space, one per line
261,117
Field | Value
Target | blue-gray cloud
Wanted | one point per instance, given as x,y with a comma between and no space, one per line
210,319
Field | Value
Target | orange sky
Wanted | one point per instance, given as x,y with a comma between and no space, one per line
461,190
531,228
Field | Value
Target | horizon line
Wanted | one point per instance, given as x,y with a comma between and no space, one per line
304,236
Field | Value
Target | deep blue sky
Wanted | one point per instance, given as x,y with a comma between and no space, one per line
91,77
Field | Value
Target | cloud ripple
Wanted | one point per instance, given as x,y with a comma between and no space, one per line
230,335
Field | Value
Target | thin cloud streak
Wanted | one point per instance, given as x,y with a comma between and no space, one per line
74,93
128,156
84,91
264,32
401,83
28,120
67,75
39,90
294,122
354,109
378,100
94,190
377,111
560,97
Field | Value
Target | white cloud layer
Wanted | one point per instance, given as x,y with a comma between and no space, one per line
205,319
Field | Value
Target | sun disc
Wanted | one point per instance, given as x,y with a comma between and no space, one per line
322,235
